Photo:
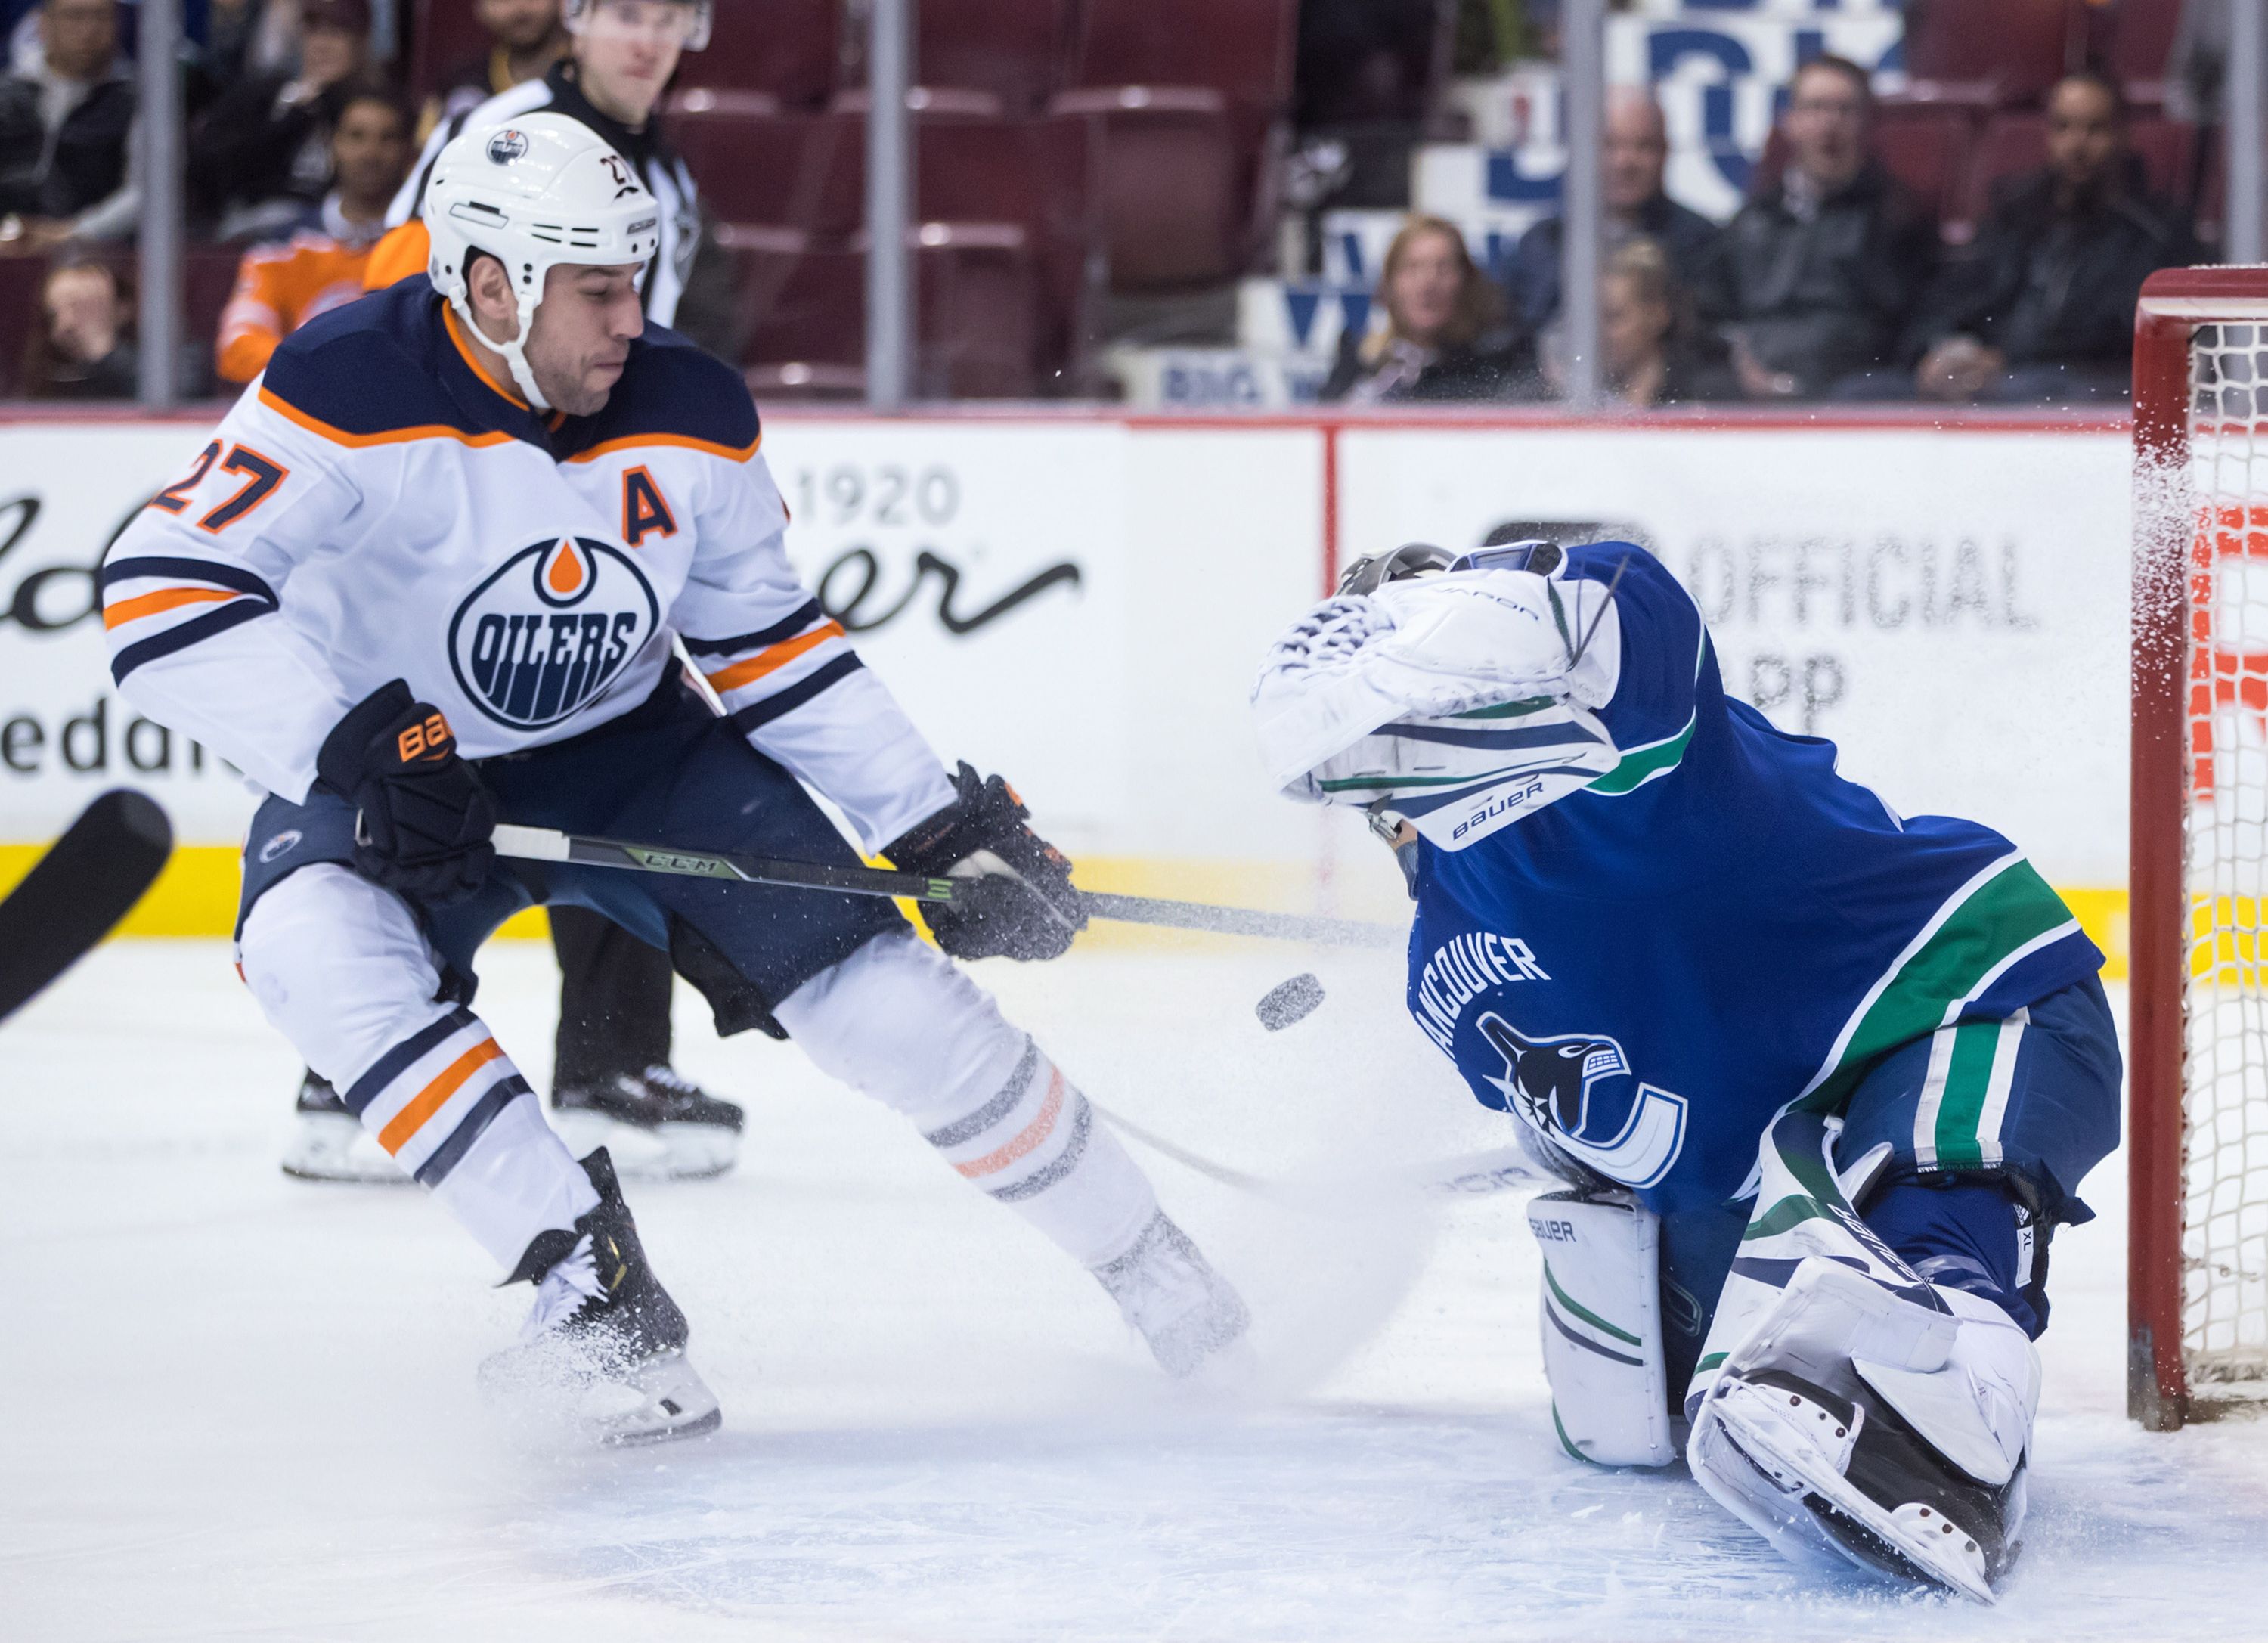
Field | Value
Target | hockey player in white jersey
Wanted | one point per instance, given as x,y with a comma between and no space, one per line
426,575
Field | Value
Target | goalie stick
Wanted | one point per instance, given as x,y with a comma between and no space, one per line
533,843
77,893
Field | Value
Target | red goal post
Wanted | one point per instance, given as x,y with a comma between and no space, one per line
2198,1038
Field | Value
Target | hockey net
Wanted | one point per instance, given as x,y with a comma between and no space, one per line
2197,1281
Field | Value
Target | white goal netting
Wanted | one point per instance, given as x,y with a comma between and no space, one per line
2225,1208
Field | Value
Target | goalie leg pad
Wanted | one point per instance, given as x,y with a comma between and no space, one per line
1602,1327
1845,1408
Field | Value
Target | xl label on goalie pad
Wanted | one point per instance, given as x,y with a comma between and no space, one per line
1602,1327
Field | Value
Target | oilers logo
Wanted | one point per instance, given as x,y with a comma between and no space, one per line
550,630
507,146
1578,1089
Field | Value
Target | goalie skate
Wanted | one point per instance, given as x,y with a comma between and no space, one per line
1802,1436
603,1350
1169,1293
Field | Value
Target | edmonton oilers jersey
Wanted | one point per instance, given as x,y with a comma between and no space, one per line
378,507
1649,968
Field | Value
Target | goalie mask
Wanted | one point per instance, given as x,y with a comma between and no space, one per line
1457,694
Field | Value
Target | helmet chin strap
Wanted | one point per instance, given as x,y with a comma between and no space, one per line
514,352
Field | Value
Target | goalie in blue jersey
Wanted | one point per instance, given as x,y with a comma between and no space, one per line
1822,1079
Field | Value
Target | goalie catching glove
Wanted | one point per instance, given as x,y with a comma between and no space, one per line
425,817
1026,908
1461,699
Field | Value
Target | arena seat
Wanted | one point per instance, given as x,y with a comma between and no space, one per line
2015,50
801,171
20,279
1015,50
1176,179
2141,38
446,33
1926,146
1241,49
1038,174
976,308
932,102
794,53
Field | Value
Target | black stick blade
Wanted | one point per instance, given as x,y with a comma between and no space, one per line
1290,1001
77,893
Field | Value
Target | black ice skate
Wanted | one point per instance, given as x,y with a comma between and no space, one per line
603,1332
329,1143
1886,1496
1885,1427
657,1125
1166,1290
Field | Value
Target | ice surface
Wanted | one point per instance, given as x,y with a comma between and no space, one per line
243,1406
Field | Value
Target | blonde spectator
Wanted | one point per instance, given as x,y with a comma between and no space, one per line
1442,342
1646,335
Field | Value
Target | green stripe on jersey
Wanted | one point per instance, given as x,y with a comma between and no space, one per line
2004,912
1641,765
1968,1073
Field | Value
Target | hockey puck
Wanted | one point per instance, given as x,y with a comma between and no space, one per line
1294,1000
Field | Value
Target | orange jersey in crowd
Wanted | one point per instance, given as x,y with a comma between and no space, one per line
401,252
282,285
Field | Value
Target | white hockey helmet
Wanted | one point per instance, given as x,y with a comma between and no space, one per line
533,193
578,14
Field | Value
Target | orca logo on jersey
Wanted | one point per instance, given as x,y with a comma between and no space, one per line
1563,1083
549,629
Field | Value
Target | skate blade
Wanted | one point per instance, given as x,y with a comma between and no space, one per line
669,1152
555,1391
1903,1543
1205,1343
332,1146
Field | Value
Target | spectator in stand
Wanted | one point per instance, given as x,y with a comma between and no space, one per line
1649,344
282,286
66,126
1811,284
250,37
530,36
625,52
82,347
1442,342
261,155
1632,157
2044,307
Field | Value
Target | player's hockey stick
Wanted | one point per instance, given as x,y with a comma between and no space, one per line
88,880
1498,1169
536,843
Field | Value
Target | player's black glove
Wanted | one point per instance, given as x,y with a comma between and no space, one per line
426,818
1025,908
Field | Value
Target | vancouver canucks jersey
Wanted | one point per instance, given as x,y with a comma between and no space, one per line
1649,968
378,507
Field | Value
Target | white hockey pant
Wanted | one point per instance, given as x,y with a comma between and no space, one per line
900,1021
341,969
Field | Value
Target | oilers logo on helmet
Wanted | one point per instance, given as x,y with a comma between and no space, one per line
507,145
1563,1083
549,629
